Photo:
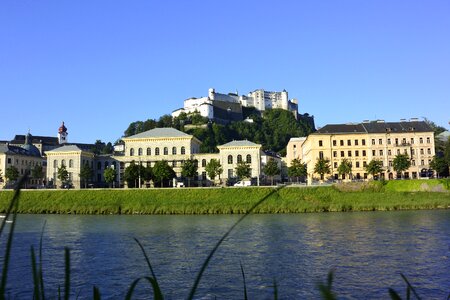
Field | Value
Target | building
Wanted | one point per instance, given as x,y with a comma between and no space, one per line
360,143
224,108
24,158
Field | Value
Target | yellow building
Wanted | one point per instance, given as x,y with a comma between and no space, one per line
363,142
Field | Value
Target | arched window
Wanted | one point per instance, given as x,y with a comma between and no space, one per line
131,152
196,163
99,166
149,151
63,162
183,150
203,163
71,163
55,163
106,164
239,158
249,159
230,159
174,163
174,150
157,151
140,151
421,140
166,151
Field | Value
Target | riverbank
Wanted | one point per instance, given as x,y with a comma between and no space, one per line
374,196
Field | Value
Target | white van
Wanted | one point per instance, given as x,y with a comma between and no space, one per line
243,183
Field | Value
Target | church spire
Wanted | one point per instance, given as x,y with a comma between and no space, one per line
62,134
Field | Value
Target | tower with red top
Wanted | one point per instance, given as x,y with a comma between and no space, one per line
62,134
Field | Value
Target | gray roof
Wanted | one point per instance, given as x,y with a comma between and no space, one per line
159,133
9,149
376,127
66,148
242,143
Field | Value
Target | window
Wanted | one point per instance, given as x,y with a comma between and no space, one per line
389,141
174,163
131,152
364,163
71,162
412,151
230,173
421,151
157,151
203,175
357,164
390,163
373,141
356,142
349,142
404,141
428,140
381,152
363,142
389,152
183,150
140,151
203,163
342,154
334,153
335,165
422,162
396,141
349,153
421,140
230,159
413,162
239,158
356,153
55,163
380,141
166,151
364,153
341,142
412,140
398,151
373,153
174,150
429,151
320,143
99,165
63,162
334,143
149,151
106,164
321,154
249,158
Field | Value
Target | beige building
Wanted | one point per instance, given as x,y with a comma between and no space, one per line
73,158
363,142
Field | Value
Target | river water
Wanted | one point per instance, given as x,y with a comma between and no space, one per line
366,250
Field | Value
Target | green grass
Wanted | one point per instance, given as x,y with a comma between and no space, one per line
391,196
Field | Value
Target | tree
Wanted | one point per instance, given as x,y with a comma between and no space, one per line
162,171
189,169
271,169
131,174
11,173
213,168
401,163
147,173
297,169
374,167
243,170
345,167
86,174
110,175
322,167
440,165
37,172
63,174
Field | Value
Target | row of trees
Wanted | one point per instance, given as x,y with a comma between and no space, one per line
12,173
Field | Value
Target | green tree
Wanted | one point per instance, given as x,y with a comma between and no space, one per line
147,173
213,168
322,167
110,175
374,167
440,165
401,163
108,148
131,174
345,167
297,169
63,175
189,169
271,169
243,170
86,174
11,173
162,171
37,172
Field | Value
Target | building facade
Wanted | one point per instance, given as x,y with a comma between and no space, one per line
363,142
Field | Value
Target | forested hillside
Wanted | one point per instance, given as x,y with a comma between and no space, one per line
272,130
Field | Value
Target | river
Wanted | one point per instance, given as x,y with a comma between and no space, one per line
366,250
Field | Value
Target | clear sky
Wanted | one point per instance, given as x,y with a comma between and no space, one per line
100,65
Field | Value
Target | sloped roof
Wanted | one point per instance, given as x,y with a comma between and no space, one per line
20,139
341,128
10,149
241,143
159,133
375,127
65,148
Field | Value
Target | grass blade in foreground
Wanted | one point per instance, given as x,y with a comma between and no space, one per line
245,284
67,280
206,262
154,284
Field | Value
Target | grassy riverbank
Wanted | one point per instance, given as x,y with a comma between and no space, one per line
365,197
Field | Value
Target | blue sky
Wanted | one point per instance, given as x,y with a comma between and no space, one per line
99,65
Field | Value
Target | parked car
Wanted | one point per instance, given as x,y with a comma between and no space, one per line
243,183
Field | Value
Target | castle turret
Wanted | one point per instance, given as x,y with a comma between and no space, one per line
62,134
211,93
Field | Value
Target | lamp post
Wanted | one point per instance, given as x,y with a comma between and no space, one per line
139,173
